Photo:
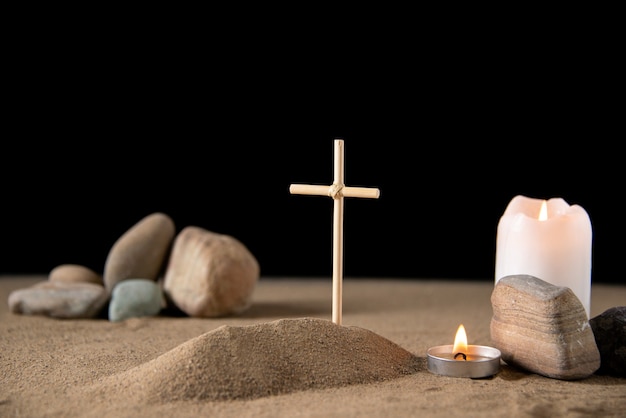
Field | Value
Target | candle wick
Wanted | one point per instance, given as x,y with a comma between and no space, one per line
460,354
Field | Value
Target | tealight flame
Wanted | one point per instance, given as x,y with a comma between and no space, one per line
460,341
543,213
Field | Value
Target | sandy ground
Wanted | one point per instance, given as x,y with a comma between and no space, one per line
173,366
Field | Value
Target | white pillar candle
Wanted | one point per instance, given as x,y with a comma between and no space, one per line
548,239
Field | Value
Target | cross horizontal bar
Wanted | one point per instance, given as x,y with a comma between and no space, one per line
311,189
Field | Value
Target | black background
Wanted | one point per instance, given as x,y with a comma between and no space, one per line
436,216
98,137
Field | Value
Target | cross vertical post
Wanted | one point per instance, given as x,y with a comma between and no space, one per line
337,191
338,236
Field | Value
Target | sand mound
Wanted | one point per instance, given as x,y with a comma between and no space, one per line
272,358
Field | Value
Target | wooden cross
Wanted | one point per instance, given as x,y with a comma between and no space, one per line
337,191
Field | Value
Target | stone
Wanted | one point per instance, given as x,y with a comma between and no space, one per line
210,274
74,273
134,298
542,328
609,329
59,300
141,252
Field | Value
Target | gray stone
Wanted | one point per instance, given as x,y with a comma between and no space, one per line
59,300
609,329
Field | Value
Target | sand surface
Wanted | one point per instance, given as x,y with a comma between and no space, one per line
285,357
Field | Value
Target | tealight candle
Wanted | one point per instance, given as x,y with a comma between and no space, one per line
547,239
463,360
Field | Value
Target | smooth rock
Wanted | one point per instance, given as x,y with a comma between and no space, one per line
59,300
542,328
609,329
141,252
210,274
74,273
133,298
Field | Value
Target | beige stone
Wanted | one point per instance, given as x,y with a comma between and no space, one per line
210,274
74,273
141,252
542,328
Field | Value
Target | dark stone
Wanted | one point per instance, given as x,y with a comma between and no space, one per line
609,330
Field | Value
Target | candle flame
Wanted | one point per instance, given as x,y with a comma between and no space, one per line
460,341
543,213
